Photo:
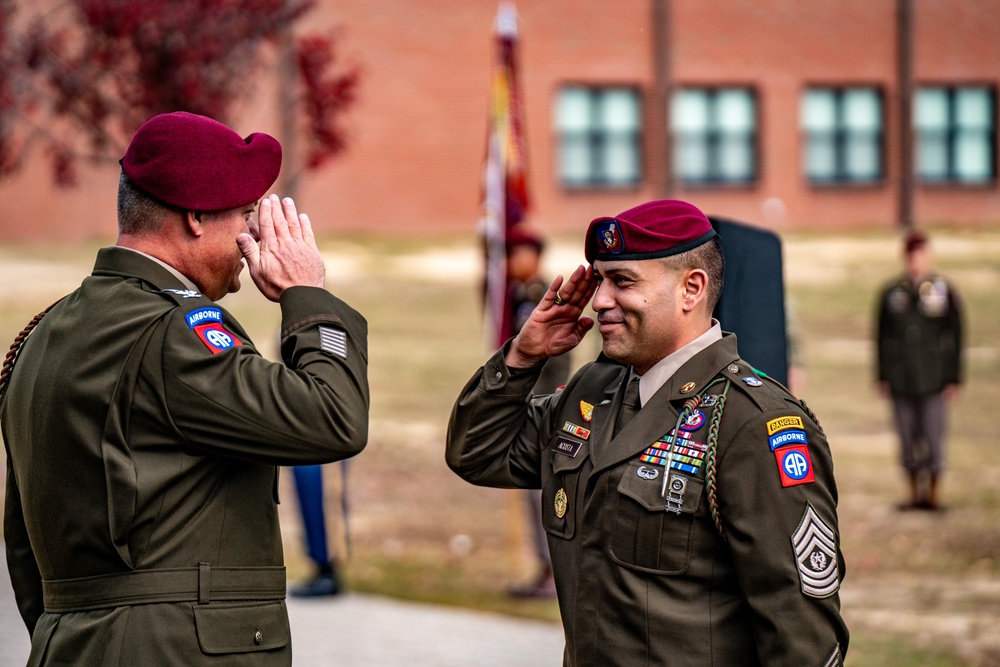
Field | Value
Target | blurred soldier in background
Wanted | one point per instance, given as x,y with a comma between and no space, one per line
920,365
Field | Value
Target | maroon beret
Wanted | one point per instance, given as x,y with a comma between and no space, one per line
655,229
914,240
198,164
523,235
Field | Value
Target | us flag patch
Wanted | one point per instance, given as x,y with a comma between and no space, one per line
333,341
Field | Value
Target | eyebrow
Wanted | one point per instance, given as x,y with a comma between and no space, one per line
618,271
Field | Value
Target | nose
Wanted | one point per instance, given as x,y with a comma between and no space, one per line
603,299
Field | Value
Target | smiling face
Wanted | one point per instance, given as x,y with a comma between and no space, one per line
221,259
639,310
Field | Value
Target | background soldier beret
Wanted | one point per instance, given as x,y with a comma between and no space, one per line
198,164
914,240
523,235
658,228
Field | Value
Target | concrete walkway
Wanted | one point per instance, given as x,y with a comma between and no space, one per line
356,630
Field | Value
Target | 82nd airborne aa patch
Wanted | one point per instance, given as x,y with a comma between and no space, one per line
207,323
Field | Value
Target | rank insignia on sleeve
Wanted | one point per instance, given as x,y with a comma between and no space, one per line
794,465
586,411
207,323
815,549
578,431
784,423
333,341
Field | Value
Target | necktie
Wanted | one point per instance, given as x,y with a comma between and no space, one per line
630,404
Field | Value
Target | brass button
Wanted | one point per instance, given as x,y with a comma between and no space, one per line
258,637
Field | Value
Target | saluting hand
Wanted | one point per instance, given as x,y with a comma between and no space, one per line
557,324
287,255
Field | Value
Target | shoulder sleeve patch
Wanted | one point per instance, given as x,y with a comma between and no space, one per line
207,324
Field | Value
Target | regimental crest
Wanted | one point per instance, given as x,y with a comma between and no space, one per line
610,237
586,411
560,503
815,547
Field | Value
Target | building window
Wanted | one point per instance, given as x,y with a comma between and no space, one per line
955,134
843,135
714,135
598,134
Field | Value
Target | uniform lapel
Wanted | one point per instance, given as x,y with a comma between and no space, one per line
604,416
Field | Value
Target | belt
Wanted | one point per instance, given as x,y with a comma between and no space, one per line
201,584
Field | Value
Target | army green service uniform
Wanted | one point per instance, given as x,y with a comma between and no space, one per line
643,572
144,434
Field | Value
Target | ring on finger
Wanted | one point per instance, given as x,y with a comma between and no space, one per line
558,300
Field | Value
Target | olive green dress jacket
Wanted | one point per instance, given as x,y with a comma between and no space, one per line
143,434
704,533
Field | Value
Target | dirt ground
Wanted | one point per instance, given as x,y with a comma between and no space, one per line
924,580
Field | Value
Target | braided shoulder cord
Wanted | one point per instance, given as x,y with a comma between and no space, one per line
713,443
15,351
711,488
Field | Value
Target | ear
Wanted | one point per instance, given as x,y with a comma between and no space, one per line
694,288
193,223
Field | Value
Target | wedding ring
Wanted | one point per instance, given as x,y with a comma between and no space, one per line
558,300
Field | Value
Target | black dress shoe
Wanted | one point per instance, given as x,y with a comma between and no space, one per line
323,584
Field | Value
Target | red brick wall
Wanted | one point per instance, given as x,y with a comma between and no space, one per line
418,130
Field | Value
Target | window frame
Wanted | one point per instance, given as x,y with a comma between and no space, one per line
598,138
841,137
950,180
714,137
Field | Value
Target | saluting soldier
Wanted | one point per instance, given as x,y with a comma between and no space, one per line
689,500
144,431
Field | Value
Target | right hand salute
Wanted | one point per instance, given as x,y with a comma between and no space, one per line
557,324
287,255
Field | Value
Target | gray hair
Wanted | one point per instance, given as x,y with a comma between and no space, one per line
139,212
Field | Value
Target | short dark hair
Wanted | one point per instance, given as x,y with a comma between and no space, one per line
139,212
709,258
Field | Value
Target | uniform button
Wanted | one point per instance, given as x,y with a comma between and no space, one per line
258,637
499,376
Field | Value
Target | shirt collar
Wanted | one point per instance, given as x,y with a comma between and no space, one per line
663,370
177,274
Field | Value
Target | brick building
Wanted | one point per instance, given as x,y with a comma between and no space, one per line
782,113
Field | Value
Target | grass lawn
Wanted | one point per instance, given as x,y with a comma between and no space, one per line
921,589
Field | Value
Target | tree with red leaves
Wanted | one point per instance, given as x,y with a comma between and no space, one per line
100,68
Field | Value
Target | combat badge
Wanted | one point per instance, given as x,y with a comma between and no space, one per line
816,555
586,411
207,323
561,503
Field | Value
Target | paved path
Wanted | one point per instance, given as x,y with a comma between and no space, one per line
356,630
